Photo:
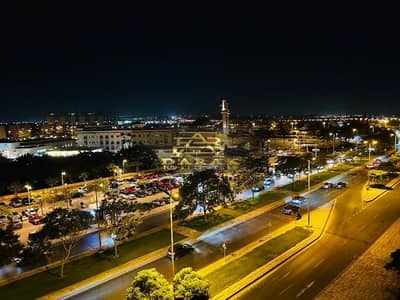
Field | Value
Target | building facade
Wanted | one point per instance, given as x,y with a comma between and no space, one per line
116,139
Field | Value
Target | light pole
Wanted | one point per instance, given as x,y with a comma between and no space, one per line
333,141
123,166
62,177
28,188
97,216
309,193
171,206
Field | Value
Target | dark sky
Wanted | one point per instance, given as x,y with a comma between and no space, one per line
118,57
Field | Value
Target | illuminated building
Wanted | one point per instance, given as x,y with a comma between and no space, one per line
225,116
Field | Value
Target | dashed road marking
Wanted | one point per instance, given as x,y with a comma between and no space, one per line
303,290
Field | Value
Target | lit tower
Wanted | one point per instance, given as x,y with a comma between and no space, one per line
225,116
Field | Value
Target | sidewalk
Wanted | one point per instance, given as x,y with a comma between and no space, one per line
366,278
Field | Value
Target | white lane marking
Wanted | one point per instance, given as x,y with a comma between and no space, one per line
303,290
286,275
318,263
283,291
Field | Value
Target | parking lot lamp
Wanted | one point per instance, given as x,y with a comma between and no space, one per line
28,188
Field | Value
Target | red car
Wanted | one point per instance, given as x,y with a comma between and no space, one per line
35,219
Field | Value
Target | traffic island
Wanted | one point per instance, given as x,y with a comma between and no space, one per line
236,270
78,271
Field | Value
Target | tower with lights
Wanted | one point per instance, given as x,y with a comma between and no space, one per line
225,116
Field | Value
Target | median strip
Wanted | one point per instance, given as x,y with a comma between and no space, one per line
244,265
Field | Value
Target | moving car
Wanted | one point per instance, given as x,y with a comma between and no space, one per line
268,181
180,250
341,185
290,209
298,199
257,188
327,185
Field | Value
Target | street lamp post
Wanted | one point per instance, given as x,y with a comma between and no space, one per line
333,141
123,166
28,188
62,177
171,206
309,193
97,216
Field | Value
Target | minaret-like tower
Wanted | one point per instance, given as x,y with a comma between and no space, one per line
225,116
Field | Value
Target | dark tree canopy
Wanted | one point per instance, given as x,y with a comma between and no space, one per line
205,189
9,245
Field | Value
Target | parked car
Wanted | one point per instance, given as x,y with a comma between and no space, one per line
180,250
4,221
327,185
83,189
3,204
27,212
16,225
290,209
298,199
16,202
27,201
35,219
341,185
380,186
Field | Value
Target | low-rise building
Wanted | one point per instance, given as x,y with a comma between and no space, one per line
116,139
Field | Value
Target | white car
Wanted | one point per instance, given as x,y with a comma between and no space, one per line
298,200
83,189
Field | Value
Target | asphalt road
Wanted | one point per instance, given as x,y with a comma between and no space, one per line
208,247
351,230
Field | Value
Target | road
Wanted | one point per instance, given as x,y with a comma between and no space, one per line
351,230
208,247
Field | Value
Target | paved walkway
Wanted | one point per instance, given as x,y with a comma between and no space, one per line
367,278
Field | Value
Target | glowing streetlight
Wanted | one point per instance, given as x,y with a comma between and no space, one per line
29,188
123,165
62,177
333,135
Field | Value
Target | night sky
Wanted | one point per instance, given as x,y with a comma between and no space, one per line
160,59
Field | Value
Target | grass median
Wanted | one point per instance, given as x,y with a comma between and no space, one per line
46,282
227,275
238,208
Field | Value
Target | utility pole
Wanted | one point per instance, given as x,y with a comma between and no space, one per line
97,218
309,193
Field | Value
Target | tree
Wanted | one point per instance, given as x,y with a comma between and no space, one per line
206,190
124,228
150,285
16,187
67,225
252,180
84,176
395,263
188,285
9,245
